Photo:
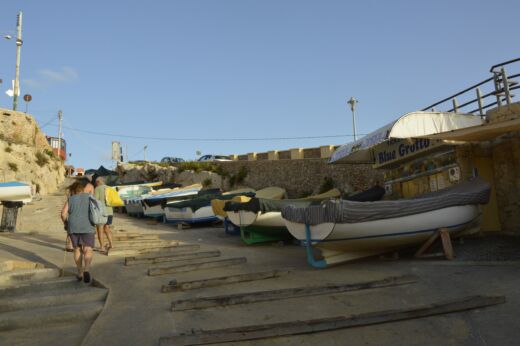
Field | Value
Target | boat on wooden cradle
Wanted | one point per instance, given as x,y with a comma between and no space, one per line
260,220
346,230
153,203
199,210
15,191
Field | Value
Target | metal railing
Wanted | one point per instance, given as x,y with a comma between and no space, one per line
498,93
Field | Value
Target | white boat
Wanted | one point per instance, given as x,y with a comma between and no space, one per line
374,233
261,220
15,191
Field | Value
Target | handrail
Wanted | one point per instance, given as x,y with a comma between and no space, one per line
500,83
503,64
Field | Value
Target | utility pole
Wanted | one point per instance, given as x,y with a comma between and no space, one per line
19,42
60,117
352,102
145,147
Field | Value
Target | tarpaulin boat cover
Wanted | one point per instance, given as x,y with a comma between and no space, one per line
205,201
270,205
472,192
375,193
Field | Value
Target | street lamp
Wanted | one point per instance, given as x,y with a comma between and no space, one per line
19,42
352,102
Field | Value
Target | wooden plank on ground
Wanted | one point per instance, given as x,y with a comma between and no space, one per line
196,266
144,243
224,280
157,249
286,293
262,331
136,237
170,257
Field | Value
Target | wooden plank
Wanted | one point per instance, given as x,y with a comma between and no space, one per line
223,280
427,244
287,293
262,331
156,249
170,257
196,266
446,244
136,237
144,243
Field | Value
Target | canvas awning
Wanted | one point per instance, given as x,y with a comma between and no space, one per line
484,132
411,125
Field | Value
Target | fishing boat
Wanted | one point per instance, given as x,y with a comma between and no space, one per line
153,202
199,210
260,220
15,191
272,192
347,230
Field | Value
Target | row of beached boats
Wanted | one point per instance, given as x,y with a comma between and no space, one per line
359,226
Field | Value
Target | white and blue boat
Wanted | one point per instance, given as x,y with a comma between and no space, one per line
15,191
345,230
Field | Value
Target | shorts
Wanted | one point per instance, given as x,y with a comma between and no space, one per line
109,220
82,239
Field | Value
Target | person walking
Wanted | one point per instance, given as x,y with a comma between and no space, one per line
99,194
75,216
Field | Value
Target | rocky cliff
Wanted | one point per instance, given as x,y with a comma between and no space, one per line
25,154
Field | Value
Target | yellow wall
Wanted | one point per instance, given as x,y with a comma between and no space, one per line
490,218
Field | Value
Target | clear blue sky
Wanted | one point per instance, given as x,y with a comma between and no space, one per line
243,68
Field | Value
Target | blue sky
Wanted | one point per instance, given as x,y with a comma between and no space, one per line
243,69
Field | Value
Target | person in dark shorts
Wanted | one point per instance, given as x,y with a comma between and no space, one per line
99,194
75,214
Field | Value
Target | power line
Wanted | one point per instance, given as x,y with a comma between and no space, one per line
203,139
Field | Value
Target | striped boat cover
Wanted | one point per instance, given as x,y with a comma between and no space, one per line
476,191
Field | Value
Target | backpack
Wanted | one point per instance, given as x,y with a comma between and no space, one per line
96,212
112,198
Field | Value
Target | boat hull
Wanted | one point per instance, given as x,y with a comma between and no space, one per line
15,192
259,227
346,241
187,215
134,208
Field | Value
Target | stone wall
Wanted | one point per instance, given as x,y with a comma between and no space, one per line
302,177
25,154
298,177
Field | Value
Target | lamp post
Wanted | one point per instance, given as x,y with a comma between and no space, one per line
352,102
19,42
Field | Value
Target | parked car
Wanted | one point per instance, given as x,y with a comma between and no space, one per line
170,160
214,158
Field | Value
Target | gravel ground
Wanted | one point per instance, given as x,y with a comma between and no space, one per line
488,248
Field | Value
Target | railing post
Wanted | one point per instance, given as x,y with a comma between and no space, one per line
455,105
505,82
497,89
479,98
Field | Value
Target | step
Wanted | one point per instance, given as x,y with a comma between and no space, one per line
41,286
50,315
53,298
18,276
47,335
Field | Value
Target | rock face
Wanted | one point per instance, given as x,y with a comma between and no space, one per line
25,154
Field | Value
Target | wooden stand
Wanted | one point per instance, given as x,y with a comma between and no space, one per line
447,248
